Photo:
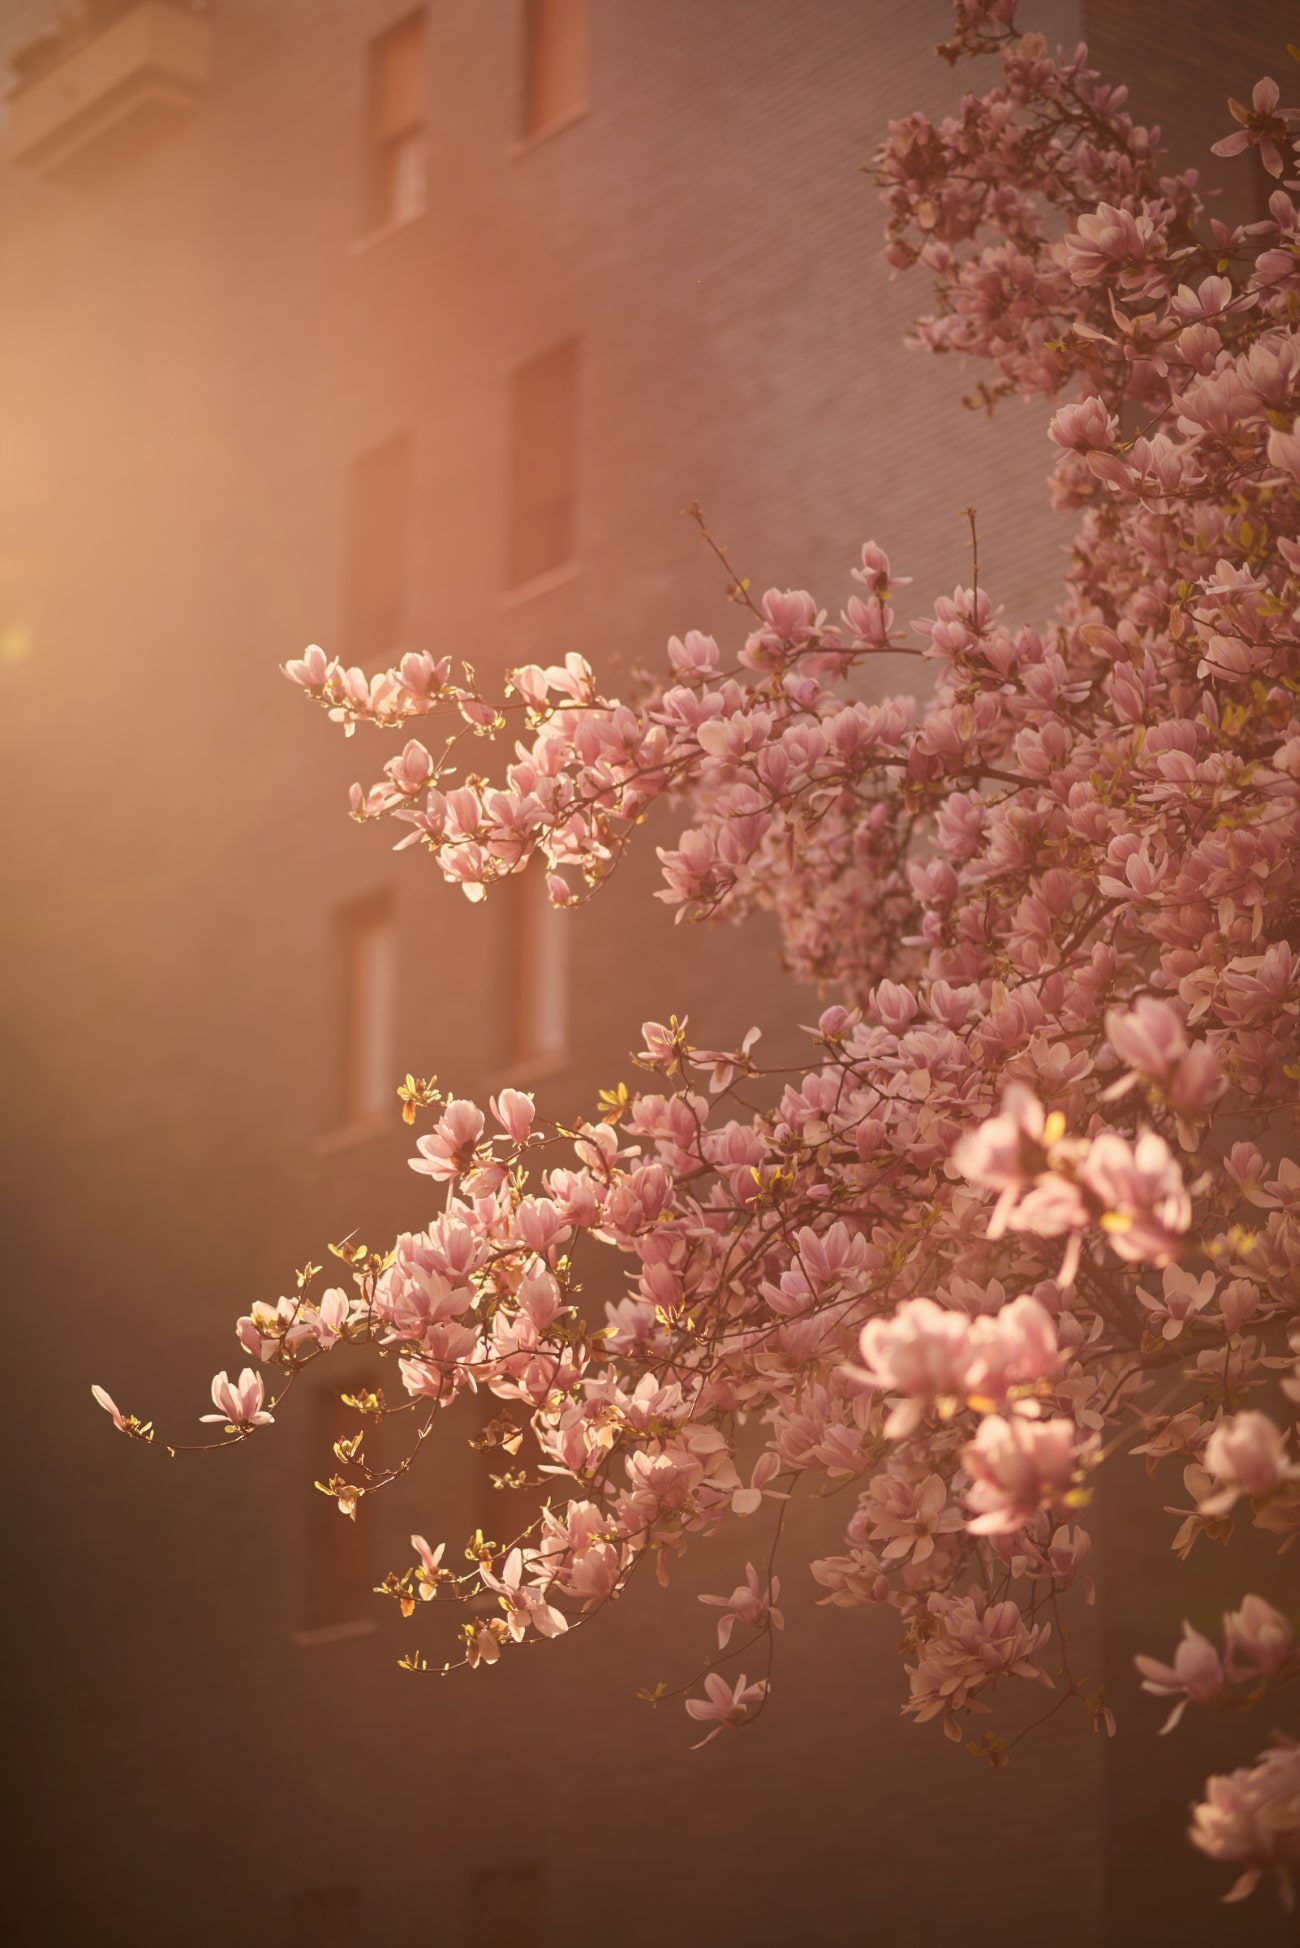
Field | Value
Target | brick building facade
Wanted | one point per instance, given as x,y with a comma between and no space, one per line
282,370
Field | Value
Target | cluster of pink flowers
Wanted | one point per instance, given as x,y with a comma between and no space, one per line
1258,1644
976,1642
1251,1819
967,1252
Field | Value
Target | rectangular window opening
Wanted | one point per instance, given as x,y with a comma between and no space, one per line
378,548
340,1567
555,65
537,964
510,1510
396,124
543,465
506,1906
367,965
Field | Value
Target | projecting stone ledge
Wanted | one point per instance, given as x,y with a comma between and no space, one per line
113,95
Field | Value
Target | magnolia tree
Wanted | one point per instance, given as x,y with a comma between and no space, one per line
1027,1211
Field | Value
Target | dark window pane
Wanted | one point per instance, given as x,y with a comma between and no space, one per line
555,63
366,936
396,134
327,1917
506,1907
544,464
379,494
536,1011
340,1571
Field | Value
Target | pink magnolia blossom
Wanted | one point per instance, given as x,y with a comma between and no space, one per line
239,1403
1291,1385
309,669
1248,1454
483,1643
1017,1467
726,1706
747,1500
1182,1297
938,1354
1262,126
726,1064
1069,1549
1196,1674
1284,450
1152,1041
525,1607
1257,1638
1198,1520
906,1516
1106,240
852,1580
1150,1038
450,1150
748,1604
924,1351
579,1550
1006,1152
1083,425
427,1573
1146,1208
1238,1301
1012,1350
975,1643
110,1406
514,1110
1251,1819
696,654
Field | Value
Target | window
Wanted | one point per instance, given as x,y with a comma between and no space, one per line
397,146
543,465
509,1510
379,496
340,1574
555,64
327,1917
506,1907
367,958
537,1011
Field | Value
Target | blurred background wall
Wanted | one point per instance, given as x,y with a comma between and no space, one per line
388,327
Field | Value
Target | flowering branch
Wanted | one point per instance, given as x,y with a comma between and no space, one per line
942,1266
